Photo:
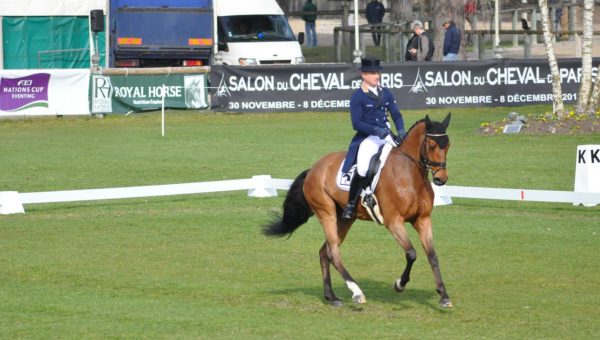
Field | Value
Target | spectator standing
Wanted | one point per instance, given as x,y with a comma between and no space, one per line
411,48
452,40
424,49
375,12
558,13
310,23
470,11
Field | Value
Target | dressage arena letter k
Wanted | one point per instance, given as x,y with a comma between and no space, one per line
594,158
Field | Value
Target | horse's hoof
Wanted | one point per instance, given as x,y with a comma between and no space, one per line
336,303
398,286
446,303
360,299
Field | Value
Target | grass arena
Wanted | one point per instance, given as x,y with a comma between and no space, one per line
197,266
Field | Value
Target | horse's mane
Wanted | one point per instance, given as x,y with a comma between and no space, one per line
415,124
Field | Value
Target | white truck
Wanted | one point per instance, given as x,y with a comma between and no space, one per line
254,32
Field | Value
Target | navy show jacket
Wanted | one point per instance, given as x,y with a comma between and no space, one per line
367,112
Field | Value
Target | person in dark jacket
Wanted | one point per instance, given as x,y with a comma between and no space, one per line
424,49
374,13
451,41
411,48
310,22
369,105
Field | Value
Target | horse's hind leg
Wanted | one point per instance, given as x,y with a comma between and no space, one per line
325,266
330,254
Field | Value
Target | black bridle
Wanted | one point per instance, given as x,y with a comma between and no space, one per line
425,163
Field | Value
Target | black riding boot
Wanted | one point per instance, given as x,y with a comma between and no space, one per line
356,187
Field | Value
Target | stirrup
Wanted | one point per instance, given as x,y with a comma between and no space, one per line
349,211
372,207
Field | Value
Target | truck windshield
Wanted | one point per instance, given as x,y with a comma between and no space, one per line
240,28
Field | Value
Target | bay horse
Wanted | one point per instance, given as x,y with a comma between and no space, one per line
404,194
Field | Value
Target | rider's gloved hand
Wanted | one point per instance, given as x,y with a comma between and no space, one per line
391,140
400,137
381,132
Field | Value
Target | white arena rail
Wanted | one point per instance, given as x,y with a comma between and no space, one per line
11,202
586,198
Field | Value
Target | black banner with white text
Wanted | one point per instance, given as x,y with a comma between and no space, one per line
328,87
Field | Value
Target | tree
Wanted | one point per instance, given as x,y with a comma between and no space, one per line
559,108
594,99
594,103
442,11
403,10
285,5
583,98
438,11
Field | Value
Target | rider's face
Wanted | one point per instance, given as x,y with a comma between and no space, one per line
370,78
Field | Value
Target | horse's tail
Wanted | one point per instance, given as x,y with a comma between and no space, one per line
295,211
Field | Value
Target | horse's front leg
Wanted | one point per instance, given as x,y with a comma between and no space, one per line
396,228
424,228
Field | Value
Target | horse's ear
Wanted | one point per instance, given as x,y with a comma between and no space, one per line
427,120
446,120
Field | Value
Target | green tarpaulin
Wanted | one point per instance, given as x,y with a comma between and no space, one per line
47,42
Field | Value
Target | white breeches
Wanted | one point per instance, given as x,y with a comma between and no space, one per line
366,150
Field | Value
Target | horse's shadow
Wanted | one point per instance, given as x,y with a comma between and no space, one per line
375,291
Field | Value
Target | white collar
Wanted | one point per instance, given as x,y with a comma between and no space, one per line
374,89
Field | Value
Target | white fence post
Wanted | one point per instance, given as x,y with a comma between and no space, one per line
10,203
262,187
440,198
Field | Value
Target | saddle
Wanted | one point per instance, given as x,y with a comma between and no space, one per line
368,198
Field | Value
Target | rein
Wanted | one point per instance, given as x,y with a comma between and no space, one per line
426,163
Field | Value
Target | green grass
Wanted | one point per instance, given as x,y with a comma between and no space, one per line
196,266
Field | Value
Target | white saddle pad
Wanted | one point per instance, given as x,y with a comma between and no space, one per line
343,179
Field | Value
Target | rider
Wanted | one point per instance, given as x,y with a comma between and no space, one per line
368,110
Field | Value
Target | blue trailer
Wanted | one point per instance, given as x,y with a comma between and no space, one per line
159,33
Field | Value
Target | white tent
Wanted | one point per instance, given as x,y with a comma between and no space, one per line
50,7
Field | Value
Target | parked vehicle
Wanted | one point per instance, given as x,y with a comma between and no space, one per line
157,33
255,32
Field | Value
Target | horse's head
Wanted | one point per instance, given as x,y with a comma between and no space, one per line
434,149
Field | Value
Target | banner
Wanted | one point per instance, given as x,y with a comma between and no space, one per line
127,93
44,92
328,87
